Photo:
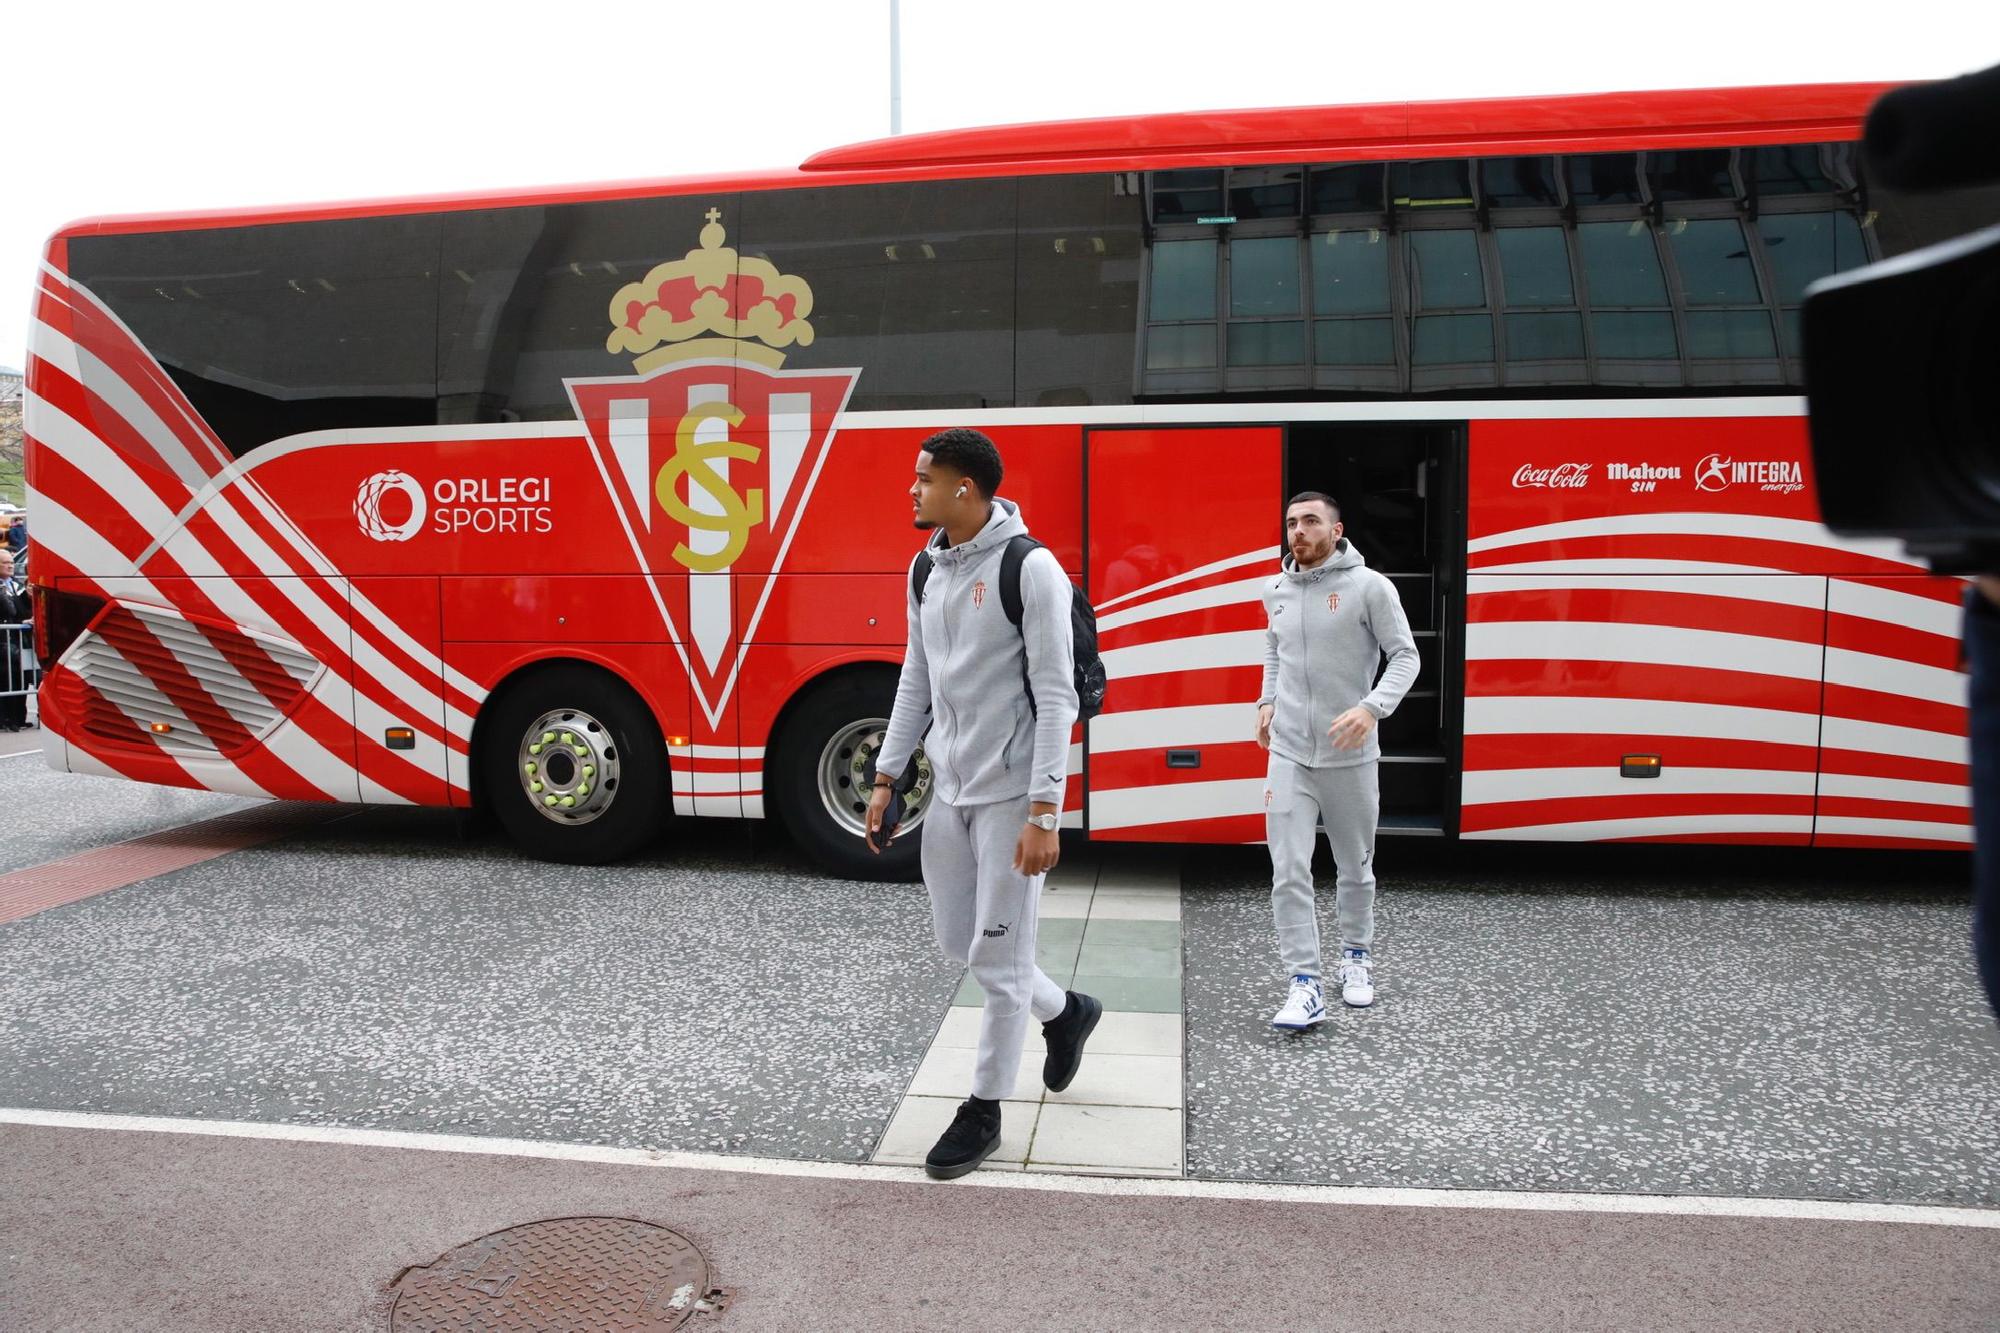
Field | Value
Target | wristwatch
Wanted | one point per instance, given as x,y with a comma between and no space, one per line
1047,823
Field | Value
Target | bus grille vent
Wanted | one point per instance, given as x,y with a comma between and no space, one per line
216,690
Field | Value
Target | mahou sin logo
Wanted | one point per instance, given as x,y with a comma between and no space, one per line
1563,476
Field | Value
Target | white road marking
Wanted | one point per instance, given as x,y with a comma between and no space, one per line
1805,1210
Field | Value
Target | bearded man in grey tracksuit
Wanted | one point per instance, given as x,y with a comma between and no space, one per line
1331,621
1000,702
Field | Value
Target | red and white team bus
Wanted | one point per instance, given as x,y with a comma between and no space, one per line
588,505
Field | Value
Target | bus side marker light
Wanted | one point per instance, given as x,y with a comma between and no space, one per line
1639,766
162,728
400,738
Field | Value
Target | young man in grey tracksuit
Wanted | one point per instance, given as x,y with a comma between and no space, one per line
1331,621
999,759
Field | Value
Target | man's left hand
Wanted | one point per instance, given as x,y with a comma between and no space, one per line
1351,729
1038,851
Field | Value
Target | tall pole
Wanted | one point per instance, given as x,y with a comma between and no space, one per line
895,67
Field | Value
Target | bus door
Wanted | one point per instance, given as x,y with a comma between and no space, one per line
1397,484
1182,525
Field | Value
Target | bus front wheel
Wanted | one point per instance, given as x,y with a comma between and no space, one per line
572,765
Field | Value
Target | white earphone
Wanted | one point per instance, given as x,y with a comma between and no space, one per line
961,493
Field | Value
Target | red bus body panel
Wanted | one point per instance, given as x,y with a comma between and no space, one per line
1641,579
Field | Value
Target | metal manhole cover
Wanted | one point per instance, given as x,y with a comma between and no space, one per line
580,1273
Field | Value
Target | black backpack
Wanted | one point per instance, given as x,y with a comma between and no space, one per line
1082,623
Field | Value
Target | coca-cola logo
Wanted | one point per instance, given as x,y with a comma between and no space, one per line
1563,476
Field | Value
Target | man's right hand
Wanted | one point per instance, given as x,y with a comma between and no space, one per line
878,804
1264,713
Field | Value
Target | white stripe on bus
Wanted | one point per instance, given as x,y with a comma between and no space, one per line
1646,645
1502,715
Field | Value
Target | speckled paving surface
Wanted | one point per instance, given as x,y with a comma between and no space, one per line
1589,1022
1549,1018
383,973
45,815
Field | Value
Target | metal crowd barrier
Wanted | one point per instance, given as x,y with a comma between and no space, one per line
18,668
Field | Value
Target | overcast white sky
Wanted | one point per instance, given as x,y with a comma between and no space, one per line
122,107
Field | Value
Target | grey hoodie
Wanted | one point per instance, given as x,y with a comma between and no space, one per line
962,674
1329,629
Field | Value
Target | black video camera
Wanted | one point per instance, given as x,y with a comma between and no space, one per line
1903,356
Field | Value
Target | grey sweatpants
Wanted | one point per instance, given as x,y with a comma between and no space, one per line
1348,800
985,913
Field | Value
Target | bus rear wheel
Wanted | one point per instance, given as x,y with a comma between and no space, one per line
572,765
825,760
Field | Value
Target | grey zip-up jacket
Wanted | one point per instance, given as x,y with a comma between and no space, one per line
1330,627
962,674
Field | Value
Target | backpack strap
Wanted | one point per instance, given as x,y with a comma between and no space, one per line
920,574
1011,561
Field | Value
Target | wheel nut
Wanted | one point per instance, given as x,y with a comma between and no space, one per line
583,790
568,739
536,748
528,768
548,800
534,786
590,770
548,736
569,800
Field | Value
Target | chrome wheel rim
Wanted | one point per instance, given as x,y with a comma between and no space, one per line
845,774
568,767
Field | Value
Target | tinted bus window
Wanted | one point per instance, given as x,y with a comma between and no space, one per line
912,283
525,296
1351,189
1076,294
275,330
1186,196
1604,178
1629,315
1697,174
1519,182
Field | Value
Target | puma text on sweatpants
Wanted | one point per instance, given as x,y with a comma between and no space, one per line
985,913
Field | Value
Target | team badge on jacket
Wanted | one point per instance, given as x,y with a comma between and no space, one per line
1333,601
978,594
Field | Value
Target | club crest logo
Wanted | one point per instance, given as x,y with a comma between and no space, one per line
1333,601
369,503
711,449
978,594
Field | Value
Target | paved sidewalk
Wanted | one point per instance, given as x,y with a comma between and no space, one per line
1110,929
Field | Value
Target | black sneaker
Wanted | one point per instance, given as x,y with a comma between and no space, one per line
974,1134
1065,1034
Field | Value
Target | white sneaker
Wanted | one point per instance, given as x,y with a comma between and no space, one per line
1304,1006
1357,989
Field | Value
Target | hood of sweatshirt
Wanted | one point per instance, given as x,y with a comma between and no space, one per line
1345,556
1004,525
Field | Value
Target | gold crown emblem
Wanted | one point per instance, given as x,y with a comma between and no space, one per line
663,317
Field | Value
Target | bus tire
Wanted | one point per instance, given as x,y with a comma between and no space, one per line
821,771
571,764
